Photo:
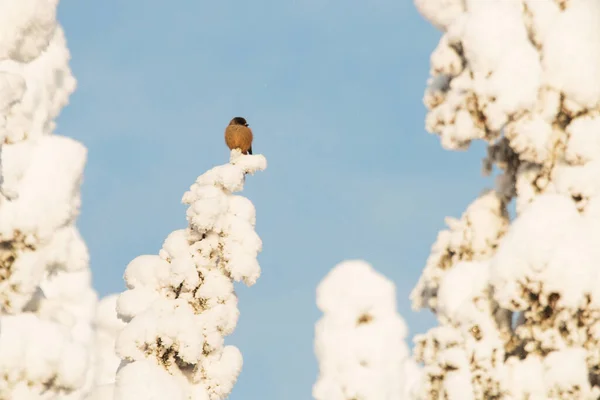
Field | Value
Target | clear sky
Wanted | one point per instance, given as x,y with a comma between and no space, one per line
333,90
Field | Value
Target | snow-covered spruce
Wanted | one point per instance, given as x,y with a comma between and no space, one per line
518,304
359,341
181,303
46,300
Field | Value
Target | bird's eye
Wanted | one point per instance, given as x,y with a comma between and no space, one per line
246,125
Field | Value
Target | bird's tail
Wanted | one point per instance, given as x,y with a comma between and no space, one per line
250,150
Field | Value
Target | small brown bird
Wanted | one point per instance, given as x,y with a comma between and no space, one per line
239,136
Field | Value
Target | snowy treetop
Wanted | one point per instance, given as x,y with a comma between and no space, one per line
181,303
360,339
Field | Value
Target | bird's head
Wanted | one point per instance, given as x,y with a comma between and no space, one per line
238,121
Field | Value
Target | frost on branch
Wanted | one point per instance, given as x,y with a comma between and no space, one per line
359,341
520,316
181,303
46,300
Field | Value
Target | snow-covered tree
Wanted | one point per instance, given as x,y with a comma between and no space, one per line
46,300
359,341
181,303
518,302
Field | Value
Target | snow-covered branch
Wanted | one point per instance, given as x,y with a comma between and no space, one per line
46,300
360,339
518,304
181,304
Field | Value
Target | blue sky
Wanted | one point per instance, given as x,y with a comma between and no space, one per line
332,89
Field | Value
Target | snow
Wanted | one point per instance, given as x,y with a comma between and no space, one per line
31,363
532,138
56,167
48,199
571,52
571,381
148,381
583,144
517,304
107,327
41,173
103,392
441,13
46,300
526,377
464,282
359,342
48,83
542,378
471,238
26,27
484,50
547,256
180,304
66,298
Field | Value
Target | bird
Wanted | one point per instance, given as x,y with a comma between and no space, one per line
238,135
